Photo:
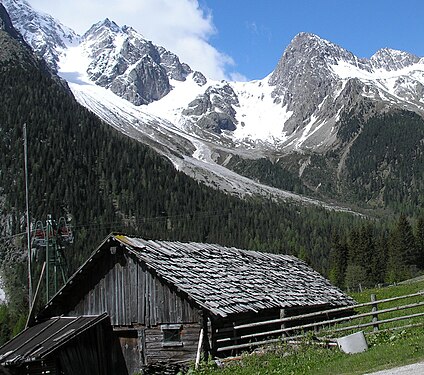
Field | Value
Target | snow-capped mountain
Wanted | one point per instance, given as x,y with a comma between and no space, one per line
146,92
317,80
133,68
297,107
42,32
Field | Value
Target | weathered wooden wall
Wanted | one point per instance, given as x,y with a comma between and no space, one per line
156,353
130,294
223,329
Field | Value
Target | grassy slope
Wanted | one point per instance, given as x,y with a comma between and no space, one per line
387,349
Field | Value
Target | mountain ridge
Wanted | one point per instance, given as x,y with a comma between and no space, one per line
306,112
199,124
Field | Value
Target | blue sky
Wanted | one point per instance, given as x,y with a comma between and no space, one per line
256,32
244,39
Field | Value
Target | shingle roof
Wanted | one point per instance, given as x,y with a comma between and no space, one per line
42,339
229,280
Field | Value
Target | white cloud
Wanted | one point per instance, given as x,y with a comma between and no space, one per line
238,77
181,26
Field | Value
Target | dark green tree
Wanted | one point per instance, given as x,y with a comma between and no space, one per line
419,242
380,260
402,254
338,261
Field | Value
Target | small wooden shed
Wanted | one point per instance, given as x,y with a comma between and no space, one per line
67,346
169,301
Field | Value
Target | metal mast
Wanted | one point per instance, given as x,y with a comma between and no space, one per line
27,218
50,240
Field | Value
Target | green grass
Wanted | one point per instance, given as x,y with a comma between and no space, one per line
389,292
407,287
386,349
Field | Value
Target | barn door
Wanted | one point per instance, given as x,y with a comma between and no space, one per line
131,349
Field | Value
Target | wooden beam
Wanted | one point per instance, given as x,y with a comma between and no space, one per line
257,343
379,322
34,299
199,349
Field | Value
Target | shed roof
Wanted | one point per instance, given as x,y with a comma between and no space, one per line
229,280
37,342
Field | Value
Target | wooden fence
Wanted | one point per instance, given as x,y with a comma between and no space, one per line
328,328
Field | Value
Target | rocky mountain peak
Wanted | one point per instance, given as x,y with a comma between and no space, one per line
303,77
47,36
99,29
128,64
108,24
391,59
214,110
308,52
306,45
130,30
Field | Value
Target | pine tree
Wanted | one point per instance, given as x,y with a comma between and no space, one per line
367,251
380,259
419,238
337,261
402,255
356,277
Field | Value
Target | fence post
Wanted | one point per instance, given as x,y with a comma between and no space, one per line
374,309
282,316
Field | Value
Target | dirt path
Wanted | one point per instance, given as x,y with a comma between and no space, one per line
414,369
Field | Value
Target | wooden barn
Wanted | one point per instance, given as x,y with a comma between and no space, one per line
170,301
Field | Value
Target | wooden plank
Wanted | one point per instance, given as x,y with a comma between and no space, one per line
125,287
133,296
113,301
414,325
199,350
374,309
150,300
257,343
108,300
141,295
120,291
358,326
172,307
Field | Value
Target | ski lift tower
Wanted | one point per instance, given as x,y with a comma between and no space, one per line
52,238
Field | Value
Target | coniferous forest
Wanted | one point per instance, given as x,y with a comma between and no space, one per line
102,181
